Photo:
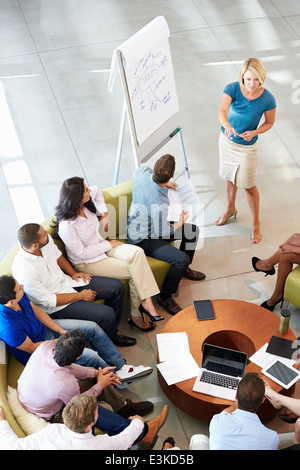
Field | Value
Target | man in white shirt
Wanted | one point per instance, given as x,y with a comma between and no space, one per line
238,427
53,285
79,417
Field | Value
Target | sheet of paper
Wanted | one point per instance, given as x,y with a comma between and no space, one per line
147,63
186,198
172,345
153,34
179,369
262,359
79,283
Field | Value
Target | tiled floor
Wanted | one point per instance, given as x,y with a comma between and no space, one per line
58,119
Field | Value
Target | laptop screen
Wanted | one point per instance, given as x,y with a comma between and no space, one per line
223,360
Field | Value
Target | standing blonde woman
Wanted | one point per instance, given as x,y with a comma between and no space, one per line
242,107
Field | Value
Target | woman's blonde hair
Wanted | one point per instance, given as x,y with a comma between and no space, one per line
256,66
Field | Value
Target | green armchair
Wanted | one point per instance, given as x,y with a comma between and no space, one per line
292,287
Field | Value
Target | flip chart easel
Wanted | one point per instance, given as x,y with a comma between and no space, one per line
150,103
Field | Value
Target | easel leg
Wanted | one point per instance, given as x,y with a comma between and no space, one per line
187,173
120,144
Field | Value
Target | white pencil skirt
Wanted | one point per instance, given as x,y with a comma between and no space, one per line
238,163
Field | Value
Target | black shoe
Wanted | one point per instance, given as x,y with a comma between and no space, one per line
151,317
121,340
254,261
287,418
271,307
132,324
169,440
141,408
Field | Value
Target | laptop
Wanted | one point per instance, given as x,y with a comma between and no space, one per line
220,372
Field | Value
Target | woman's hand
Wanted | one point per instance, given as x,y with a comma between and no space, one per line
287,248
104,219
230,132
115,243
248,135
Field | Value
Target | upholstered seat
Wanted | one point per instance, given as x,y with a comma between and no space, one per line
292,287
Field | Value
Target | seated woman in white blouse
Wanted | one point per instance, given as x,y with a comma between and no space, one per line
78,227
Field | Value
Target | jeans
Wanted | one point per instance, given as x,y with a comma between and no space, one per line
103,353
107,316
179,259
111,422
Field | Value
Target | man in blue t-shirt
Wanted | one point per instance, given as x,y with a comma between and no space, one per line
23,326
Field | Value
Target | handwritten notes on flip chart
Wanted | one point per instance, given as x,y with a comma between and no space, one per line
150,79
152,91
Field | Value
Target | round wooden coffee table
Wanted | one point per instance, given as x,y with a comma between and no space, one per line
238,325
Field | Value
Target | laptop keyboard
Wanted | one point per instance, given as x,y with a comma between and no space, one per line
224,369
221,380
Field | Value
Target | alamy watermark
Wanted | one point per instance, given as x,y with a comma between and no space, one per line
156,217
296,93
295,346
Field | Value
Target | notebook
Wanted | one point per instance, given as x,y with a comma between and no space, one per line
221,371
282,347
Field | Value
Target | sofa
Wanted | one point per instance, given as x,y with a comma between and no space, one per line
118,200
292,287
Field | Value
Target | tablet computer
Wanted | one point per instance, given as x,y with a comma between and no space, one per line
204,310
281,373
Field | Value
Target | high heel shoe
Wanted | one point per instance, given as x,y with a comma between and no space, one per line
254,261
132,324
271,307
223,220
255,238
287,418
152,317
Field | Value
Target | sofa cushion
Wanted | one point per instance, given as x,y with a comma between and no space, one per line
3,389
6,264
292,287
28,422
14,370
118,201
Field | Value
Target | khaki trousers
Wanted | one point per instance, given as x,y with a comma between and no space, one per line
126,262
